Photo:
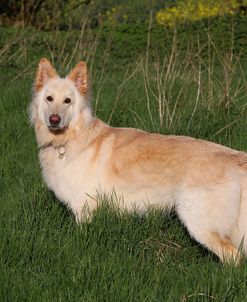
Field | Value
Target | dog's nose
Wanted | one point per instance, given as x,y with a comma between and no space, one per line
54,119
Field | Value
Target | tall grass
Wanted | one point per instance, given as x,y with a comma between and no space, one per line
44,254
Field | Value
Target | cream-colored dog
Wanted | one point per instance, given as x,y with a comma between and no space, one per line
80,155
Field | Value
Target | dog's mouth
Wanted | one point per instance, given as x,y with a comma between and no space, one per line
57,128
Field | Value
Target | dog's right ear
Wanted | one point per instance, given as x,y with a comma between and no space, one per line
44,72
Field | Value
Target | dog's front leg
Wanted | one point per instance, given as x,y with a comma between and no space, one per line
84,213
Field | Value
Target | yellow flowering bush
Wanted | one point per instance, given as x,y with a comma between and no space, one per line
192,10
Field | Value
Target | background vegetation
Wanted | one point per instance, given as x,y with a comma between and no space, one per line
188,78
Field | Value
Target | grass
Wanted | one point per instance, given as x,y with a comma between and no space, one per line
44,254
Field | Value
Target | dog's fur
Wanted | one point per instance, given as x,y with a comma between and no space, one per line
204,182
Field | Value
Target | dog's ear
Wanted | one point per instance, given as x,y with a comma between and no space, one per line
44,72
79,75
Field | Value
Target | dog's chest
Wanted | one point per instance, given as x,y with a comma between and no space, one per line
68,176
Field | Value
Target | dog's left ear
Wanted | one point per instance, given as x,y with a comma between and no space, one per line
79,75
45,72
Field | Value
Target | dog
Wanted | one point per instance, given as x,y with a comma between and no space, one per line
80,155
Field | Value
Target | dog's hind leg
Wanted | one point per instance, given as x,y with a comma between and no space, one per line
219,245
210,215
213,241
222,247
239,232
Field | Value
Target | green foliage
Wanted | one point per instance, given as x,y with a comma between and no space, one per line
45,14
71,14
123,43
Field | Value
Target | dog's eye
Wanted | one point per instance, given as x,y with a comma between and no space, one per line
49,98
67,100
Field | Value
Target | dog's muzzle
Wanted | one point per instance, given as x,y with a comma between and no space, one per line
54,120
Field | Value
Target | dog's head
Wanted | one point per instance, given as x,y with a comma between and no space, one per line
58,102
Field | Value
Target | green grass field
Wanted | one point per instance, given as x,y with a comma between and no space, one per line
44,254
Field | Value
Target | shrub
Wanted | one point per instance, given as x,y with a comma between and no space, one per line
193,10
